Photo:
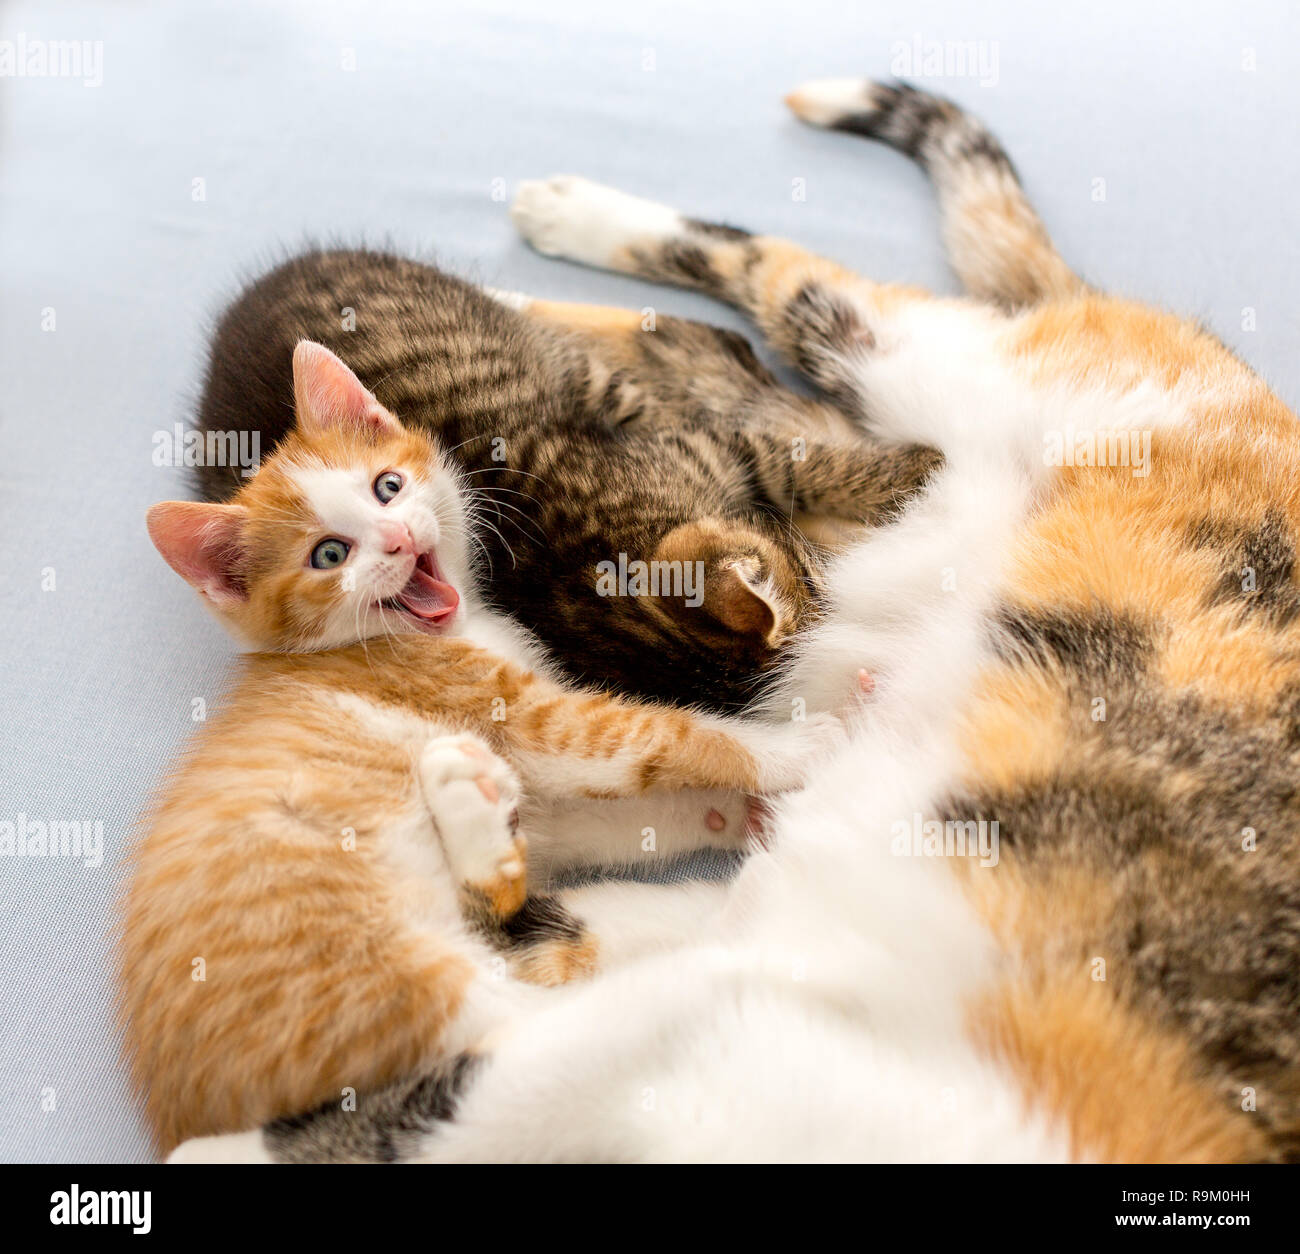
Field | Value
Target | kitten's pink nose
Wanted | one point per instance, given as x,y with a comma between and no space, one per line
396,537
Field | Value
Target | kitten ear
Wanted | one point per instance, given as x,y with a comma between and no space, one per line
740,602
327,394
201,543
729,588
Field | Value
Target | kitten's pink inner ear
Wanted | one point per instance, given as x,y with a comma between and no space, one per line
327,393
201,543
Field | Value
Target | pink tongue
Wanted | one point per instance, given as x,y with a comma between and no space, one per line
428,597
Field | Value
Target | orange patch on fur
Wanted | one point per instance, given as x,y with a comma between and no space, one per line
553,962
594,319
1125,1088
1125,1091
1014,730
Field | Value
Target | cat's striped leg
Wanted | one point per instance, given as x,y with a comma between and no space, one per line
908,366
834,325
859,480
583,744
781,286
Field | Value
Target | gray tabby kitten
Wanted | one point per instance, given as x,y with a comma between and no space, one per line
589,437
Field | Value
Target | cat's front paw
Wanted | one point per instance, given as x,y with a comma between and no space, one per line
568,216
473,799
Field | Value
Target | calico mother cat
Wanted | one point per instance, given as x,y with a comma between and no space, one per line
1085,637
331,890
586,440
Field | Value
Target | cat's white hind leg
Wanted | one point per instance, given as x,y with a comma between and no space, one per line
630,831
473,798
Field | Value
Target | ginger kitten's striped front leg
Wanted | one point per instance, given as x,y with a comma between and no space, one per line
568,744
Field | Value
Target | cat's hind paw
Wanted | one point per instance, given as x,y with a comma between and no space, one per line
473,799
572,217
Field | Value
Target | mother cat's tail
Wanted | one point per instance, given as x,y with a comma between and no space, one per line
995,241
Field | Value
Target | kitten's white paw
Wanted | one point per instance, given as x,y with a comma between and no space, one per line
237,1147
827,101
786,752
568,216
473,798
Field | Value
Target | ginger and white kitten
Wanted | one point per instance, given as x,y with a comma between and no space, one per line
1097,651
331,892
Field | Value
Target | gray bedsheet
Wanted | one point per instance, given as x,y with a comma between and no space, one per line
412,123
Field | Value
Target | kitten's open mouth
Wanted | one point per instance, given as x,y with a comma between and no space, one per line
427,599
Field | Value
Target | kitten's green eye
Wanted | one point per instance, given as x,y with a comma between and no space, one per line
328,554
388,485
